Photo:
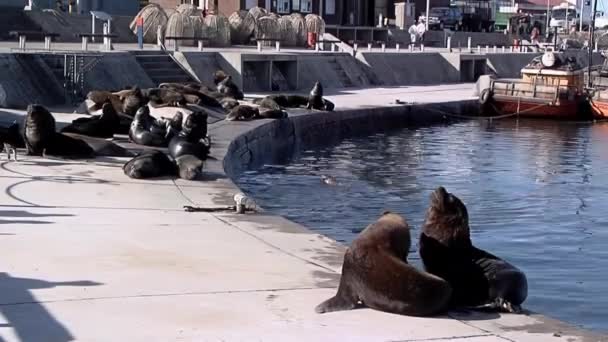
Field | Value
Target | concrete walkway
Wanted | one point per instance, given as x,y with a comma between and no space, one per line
91,255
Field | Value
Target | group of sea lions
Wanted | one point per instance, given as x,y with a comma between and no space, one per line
457,275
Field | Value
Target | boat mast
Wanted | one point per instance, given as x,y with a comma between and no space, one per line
591,42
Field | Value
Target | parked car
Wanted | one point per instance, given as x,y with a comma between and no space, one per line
444,17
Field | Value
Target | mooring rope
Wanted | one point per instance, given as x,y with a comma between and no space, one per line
494,117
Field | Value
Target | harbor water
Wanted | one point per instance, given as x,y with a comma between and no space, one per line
536,191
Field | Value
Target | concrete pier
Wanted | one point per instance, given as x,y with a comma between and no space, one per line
92,255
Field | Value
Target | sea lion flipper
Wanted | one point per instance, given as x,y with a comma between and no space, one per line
337,303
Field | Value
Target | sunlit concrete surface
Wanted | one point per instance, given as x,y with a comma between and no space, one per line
91,255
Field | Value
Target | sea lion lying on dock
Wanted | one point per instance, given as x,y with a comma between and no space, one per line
375,273
478,278
101,126
150,164
229,89
41,138
147,131
191,140
246,113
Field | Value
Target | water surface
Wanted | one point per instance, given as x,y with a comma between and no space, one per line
537,194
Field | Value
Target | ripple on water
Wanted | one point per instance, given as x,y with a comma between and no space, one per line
537,194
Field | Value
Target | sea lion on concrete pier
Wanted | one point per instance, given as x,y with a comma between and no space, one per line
100,126
190,167
39,129
191,140
242,113
315,99
150,164
477,277
328,105
228,103
376,274
271,114
161,97
228,88
269,102
145,131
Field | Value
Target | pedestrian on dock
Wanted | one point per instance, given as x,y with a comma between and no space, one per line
421,28
413,31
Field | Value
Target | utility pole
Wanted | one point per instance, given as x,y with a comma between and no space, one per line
548,15
582,13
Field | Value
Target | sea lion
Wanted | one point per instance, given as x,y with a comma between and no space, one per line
133,101
100,126
39,129
190,167
376,274
150,164
477,277
269,102
162,97
328,105
296,101
145,131
191,140
229,103
219,76
11,139
228,88
242,113
102,147
315,99
271,114
41,138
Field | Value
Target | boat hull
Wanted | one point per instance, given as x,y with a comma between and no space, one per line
533,108
599,109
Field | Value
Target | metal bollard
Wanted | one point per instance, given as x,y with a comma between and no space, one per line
478,48
510,49
411,47
317,47
421,47
595,48
397,47
333,47
85,43
47,43
22,42
495,49
487,48
504,49
200,45
159,36
383,47
277,46
449,44
469,45
259,46
369,47
175,45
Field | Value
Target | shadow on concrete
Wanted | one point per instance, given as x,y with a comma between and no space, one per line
28,317
473,315
24,213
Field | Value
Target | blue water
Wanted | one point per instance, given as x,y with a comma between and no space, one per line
537,194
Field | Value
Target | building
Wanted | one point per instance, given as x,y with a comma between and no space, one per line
112,7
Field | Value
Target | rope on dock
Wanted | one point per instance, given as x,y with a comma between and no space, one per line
493,117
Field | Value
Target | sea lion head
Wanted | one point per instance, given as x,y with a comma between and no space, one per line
40,117
400,240
317,90
108,112
195,126
133,102
142,112
447,220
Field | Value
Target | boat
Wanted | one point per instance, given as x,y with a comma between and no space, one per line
598,92
552,86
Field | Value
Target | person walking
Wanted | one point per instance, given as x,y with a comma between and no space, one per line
421,29
413,31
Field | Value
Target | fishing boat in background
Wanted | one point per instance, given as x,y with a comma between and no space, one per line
552,86
598,92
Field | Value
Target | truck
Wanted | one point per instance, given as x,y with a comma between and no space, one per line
477,15
565,15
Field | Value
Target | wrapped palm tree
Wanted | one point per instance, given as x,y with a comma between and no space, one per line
217,29
239,33
189,10
197,26
180,25
288,34
153,16
315,24
299,27
267,28
250,20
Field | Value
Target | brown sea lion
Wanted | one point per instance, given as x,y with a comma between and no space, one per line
190,167
315,98
242,113
39,129
477,277
150,164
269,102
230,89
375,273
100,126
271,114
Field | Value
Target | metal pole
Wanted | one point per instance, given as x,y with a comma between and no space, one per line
582,11
591,43
92,26
548,14
426,21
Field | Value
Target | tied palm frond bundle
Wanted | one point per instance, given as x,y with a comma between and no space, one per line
315,24
153,17
188,10
217,29
180,25
287,33
267,28
251,19
299,27
239,33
